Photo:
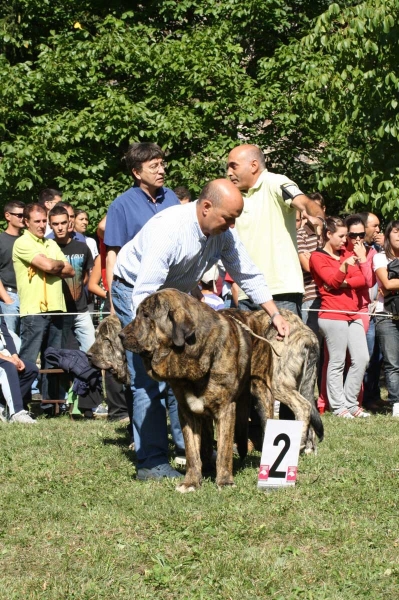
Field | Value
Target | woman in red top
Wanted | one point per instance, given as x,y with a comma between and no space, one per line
338,277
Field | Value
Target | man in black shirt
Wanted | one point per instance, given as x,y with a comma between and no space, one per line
79,256
9,300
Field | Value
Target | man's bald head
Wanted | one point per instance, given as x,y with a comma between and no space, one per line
244,165
219,205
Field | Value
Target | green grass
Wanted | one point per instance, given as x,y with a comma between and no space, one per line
76,525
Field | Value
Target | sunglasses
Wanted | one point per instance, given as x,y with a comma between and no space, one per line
20,215
353,236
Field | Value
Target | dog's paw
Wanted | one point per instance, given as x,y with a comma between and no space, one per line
184,489
311,450
223,486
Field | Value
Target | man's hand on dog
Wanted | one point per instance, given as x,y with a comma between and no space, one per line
282,326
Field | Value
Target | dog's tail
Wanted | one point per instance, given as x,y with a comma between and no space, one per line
316,422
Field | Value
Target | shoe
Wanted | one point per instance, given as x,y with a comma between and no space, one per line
101,412
345,414
158,472
3,416
22,417
37,397
359,412
395,409
180,458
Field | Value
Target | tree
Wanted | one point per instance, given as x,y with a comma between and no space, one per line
332,97
80,80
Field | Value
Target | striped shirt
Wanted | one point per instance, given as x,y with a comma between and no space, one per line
171,251
308,241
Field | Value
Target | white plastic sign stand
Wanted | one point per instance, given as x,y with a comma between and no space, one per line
280,453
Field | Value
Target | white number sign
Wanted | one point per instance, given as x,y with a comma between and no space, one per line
280,453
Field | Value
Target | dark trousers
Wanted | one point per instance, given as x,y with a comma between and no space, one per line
38,332
20,383
119,398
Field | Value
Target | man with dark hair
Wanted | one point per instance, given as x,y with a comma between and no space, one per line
125,218
48,198
130,211
372,401
79,256
39,267
13,214
75,235
198,235
183,194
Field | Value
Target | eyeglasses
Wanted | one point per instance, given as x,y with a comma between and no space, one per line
155,168
353,236
20,215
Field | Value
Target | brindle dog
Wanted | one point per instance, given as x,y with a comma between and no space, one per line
107,351
294,369
213,366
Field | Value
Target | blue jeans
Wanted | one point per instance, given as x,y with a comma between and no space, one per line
13,323
38,332
311,317
150,430
387,331
372,392
82,327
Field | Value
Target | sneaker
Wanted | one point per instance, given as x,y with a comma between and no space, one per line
180,458
158,472
22,417
345,414
3,416
36,397
101,412
395,409
359,412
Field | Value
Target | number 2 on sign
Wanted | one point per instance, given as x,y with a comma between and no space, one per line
281,451
282,437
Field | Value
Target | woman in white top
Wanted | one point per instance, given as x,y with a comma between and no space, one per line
387,324
81,224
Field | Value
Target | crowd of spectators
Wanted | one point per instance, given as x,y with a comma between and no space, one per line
341,276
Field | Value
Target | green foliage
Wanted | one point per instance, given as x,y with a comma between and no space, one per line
312,82
82,80
336,96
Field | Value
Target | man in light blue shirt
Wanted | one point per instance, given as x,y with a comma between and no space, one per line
173,250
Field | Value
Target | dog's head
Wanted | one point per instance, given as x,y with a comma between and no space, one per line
168,333
107,351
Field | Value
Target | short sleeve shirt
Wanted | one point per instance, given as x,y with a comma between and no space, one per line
34,286
267,229
79,256
7,273
130,211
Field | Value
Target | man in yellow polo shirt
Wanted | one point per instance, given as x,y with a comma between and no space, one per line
266,227
267,224
39,267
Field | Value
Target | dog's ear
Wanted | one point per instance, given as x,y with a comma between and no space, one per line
183,326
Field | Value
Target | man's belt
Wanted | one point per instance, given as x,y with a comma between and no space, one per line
116,278
11,289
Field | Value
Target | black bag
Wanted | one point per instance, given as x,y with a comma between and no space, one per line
391,301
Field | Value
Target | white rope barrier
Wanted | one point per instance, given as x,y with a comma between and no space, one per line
56,314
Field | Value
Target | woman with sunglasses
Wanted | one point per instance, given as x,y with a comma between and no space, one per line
355,244
387,325
338,276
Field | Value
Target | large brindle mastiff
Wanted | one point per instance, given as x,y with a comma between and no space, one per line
213,366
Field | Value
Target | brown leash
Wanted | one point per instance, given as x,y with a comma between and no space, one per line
256,335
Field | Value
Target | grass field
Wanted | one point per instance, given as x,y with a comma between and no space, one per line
76,525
